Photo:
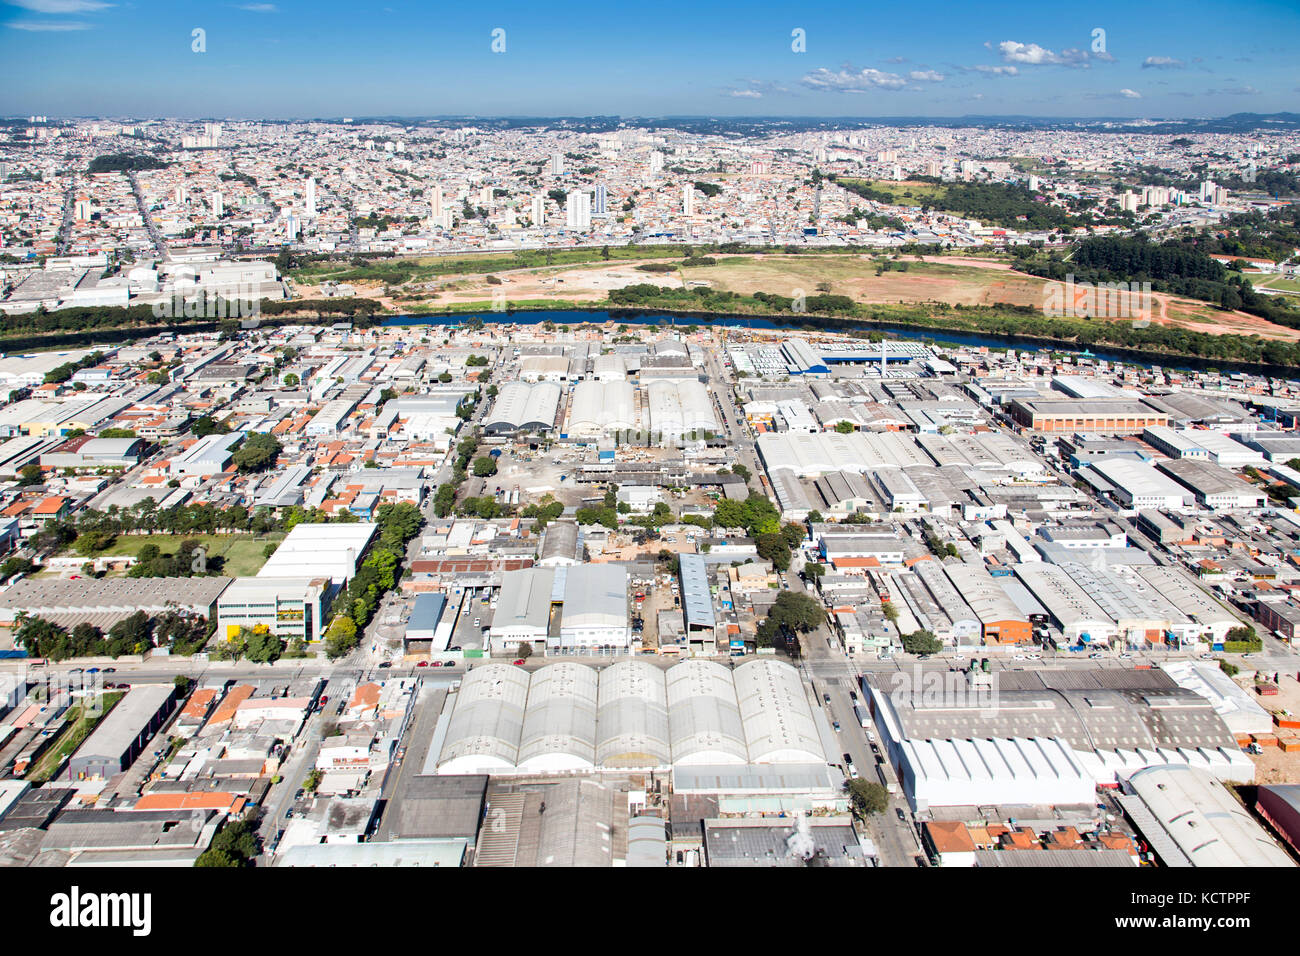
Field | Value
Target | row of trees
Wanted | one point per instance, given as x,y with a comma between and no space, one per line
182,632
378,573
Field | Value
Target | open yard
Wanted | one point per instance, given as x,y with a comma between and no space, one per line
1277,282
81,721
241,554
855,276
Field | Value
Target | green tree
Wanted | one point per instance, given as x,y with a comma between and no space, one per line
206,425
867,797
485,466
90,543
258,453
799,612
261,646
341,637
922,642
773,547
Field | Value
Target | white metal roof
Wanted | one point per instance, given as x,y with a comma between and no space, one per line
1203,820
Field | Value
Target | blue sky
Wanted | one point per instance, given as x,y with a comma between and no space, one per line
302,58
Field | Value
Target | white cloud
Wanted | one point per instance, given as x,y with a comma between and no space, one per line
1163,63
746,94
992,70
853,81
59,6
259,7
1131,94
47,26
931,76
1031,54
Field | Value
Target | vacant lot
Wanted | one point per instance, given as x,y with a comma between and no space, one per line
241,554
907,193
855,276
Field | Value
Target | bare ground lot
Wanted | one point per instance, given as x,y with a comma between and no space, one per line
965,280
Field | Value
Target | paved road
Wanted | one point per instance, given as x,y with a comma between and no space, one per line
65,227
834,675
737,431
292,773
146,217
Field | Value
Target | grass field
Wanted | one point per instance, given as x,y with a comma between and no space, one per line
241,553
1278,282
397,271
906,193
77,728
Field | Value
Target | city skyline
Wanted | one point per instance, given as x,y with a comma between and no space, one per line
290,60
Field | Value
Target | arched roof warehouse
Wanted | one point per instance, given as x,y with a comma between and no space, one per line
559,730
600,407
703,715
484,731
520,406
633,716
680,407
776,715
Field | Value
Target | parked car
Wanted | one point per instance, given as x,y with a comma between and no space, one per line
519,662
422,664
836,725
385,665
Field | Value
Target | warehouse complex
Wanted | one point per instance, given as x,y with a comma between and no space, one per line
1043,737
563,609
568,716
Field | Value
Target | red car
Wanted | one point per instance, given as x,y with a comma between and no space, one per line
519,663
422,664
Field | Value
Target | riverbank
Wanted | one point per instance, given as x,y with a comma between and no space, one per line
957,336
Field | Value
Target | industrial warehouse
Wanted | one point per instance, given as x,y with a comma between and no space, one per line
631,714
